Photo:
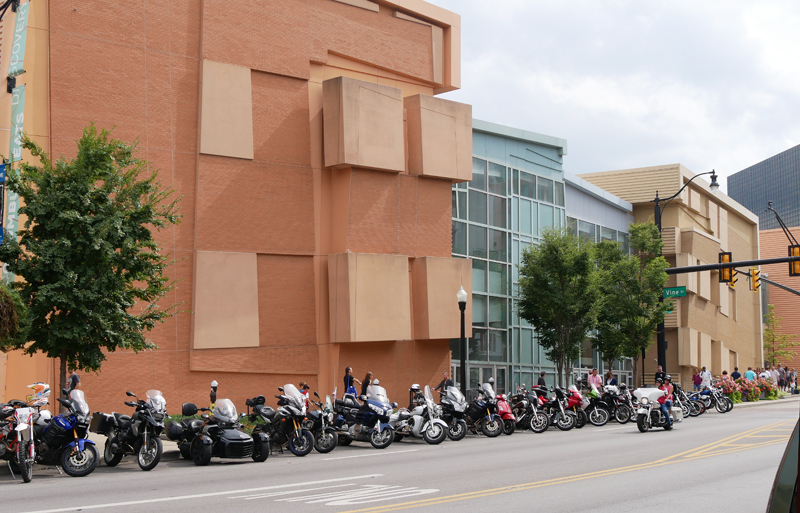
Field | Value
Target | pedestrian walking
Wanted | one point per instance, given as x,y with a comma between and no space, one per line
725,375
749,375
366,383
781,378
705,376
349,380
446,382
764,374
736,374
696,380
541,382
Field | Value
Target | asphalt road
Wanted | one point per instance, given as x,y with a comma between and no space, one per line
712,463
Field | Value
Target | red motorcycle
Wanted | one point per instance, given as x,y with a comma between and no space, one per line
504,411
575,405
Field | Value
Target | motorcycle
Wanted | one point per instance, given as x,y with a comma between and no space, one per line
575,403
217,435
138,434
616,405
712,396
365,421
481,413
678,400
555,409
17,444
420,422
526,408
319,423
284,426
64,440
696,406
597,410
649,414
453,406
504,410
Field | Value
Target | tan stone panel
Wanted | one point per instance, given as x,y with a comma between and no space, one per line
226,110
363,125
704,349
435,282
672,241
723,229
704,279
687,347
724,299
719,357
225,300
713,218
703,246
688,280
439,138
370,298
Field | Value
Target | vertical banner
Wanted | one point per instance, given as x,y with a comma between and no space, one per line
18,47
15,155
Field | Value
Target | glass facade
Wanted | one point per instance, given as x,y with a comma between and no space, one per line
776,179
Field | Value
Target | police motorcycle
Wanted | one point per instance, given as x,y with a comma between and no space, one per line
420,419
216,435
481,414
367,421
64,442
319,423
138,434
284,427
649,414
453,406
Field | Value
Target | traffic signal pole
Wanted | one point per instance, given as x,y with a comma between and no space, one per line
732,265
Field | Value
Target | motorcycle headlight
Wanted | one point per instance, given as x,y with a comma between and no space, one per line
645,400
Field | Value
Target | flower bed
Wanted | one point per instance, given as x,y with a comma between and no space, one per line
753,390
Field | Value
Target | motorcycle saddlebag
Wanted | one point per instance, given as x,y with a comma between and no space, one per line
174,431
101,423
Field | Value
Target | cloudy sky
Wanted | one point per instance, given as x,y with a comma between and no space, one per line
711,84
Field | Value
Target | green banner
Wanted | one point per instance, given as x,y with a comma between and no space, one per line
14,155
18,45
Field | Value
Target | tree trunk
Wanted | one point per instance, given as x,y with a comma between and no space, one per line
636,378
62,382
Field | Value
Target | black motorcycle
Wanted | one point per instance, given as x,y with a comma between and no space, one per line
555,408
481,414
217,435
64,440
138,434
525,407
616,404
319,423
284,427
453,407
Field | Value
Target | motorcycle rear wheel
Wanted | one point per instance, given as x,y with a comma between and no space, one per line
79,463
435,434
381,439
622,414
325,441
599,417
729,402
686,409
25,462
345,440
260,450
508,427
302,444
148,457
201,453
641,423
185,449
111,458
492,428
457,431
539,422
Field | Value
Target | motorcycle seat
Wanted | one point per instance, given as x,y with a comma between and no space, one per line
265,411
194,425
122,420
348,402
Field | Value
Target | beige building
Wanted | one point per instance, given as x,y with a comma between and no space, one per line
715,325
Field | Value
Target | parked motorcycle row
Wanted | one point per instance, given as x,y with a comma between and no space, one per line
31,434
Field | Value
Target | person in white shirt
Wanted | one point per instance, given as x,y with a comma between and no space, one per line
705,376
765,374
774,374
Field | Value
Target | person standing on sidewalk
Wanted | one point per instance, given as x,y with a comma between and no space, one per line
696,380
595,380
705,376
736,374
749,375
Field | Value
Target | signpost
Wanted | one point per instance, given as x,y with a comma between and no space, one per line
674,292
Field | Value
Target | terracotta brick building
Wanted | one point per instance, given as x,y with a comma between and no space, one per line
315,165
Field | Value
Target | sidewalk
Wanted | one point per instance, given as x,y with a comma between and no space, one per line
782,400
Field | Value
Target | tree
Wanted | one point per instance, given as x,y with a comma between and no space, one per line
93,273
14,319
558,296
777,346
609,339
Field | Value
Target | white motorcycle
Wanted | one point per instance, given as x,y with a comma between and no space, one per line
420,422
649,414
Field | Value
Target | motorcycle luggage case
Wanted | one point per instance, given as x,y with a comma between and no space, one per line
174,431
101,423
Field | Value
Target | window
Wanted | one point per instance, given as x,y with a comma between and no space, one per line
526,346
462,205
477,207
586,231
497,212
623,238
525,216
545,190
515,214
497,245
559,194
498,278
478,174
546,216
527,185
498,347
498,316
477,241
459,238
479,275
497,178
515,181
478,347
479,310
608,234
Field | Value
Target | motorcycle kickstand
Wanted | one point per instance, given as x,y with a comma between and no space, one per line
10,470
60,471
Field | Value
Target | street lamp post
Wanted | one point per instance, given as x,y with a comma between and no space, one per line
462,305
661,342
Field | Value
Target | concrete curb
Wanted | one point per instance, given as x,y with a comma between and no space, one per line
782,400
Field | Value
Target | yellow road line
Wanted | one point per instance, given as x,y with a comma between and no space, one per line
722,446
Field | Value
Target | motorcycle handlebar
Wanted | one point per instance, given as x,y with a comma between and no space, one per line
65,403
130,403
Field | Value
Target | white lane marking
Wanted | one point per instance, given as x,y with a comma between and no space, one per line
611,429
276,494
368,493
202,495
368,455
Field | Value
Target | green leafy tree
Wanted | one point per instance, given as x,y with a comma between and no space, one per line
778,347
14,319
558,296
609,340
93,273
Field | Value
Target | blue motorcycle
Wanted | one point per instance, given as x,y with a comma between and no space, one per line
367,420
63,441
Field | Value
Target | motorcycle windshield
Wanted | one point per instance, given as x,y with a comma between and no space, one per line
429,396
156,400
328,404
455,395
224,410
377,393
294,396
489,391
78,401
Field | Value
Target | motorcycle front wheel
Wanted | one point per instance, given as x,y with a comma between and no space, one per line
623,414
201,453
381,439
149,456
301,444
435,434
508,427
721,406
729,402
111,458
458,430
79,463
325,441
564,422
260,450
581,420
599,417
539,422
25,461
686,409
641,423
492,428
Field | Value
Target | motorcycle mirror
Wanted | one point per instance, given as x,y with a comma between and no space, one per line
130,394
394,405
280,388
362,397
316,394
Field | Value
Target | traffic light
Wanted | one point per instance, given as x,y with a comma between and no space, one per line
734,279
725,274
794,267
755,279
